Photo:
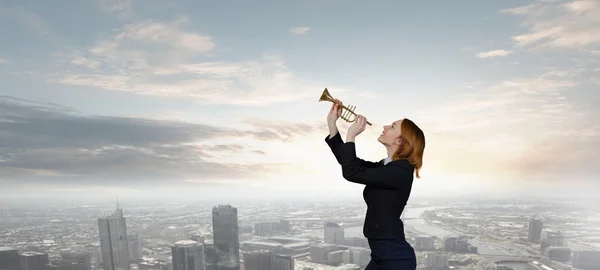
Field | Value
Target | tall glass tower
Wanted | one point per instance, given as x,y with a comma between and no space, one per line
226,237
188,255
113,241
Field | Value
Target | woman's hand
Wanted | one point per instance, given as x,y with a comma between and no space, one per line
334,113
356,128
332,118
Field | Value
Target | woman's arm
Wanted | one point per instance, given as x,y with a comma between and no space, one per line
335,141
392,176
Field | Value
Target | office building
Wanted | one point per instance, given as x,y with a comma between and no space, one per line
34,260
188,255
114,242
9,259
226,237
282,262
334,233
257,260
535,231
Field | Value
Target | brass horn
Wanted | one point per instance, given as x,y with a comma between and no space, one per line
346,111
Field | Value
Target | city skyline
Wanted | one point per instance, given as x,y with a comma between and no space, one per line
155,99
468,233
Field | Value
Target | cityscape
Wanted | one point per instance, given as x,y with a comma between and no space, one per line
203,135
485,233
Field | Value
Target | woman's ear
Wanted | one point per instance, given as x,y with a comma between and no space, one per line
399,141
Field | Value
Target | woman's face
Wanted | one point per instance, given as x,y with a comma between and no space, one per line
391,134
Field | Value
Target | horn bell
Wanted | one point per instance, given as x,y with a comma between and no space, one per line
347,112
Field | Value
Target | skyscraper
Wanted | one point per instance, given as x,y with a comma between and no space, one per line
113,241
535,230
188,255
34,260
135,246
334,233
9,259
226,237
257,260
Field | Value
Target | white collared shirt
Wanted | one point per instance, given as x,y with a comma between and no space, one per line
387,160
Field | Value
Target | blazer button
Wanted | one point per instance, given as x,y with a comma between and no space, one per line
377,226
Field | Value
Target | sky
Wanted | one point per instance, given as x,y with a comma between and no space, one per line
198,98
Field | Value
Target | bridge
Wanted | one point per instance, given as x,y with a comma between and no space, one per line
496,256
499,259
496,259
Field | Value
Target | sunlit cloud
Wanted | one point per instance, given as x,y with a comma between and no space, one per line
516,128
125,62
494,53
300,30
567,25
106,149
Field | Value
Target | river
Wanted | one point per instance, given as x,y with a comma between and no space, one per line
520,266
357,231
420,225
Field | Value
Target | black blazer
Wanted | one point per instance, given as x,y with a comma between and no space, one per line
387,188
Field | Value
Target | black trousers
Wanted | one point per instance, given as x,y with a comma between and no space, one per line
388,254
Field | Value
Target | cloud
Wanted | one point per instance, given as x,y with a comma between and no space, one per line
163,33
122,9
129,49
283,131
160,58
572,25
519,129
533,128
570,155
115,6
3,61
494,53
300,30
84,62
46,142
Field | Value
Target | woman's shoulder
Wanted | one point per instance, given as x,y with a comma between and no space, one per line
402,163
405,170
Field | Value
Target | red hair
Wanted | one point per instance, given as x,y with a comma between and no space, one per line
413,145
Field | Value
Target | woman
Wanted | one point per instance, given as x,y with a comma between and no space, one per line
387,185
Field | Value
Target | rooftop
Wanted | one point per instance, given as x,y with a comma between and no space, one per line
288,239
31,253
262,243
186,243
297,244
